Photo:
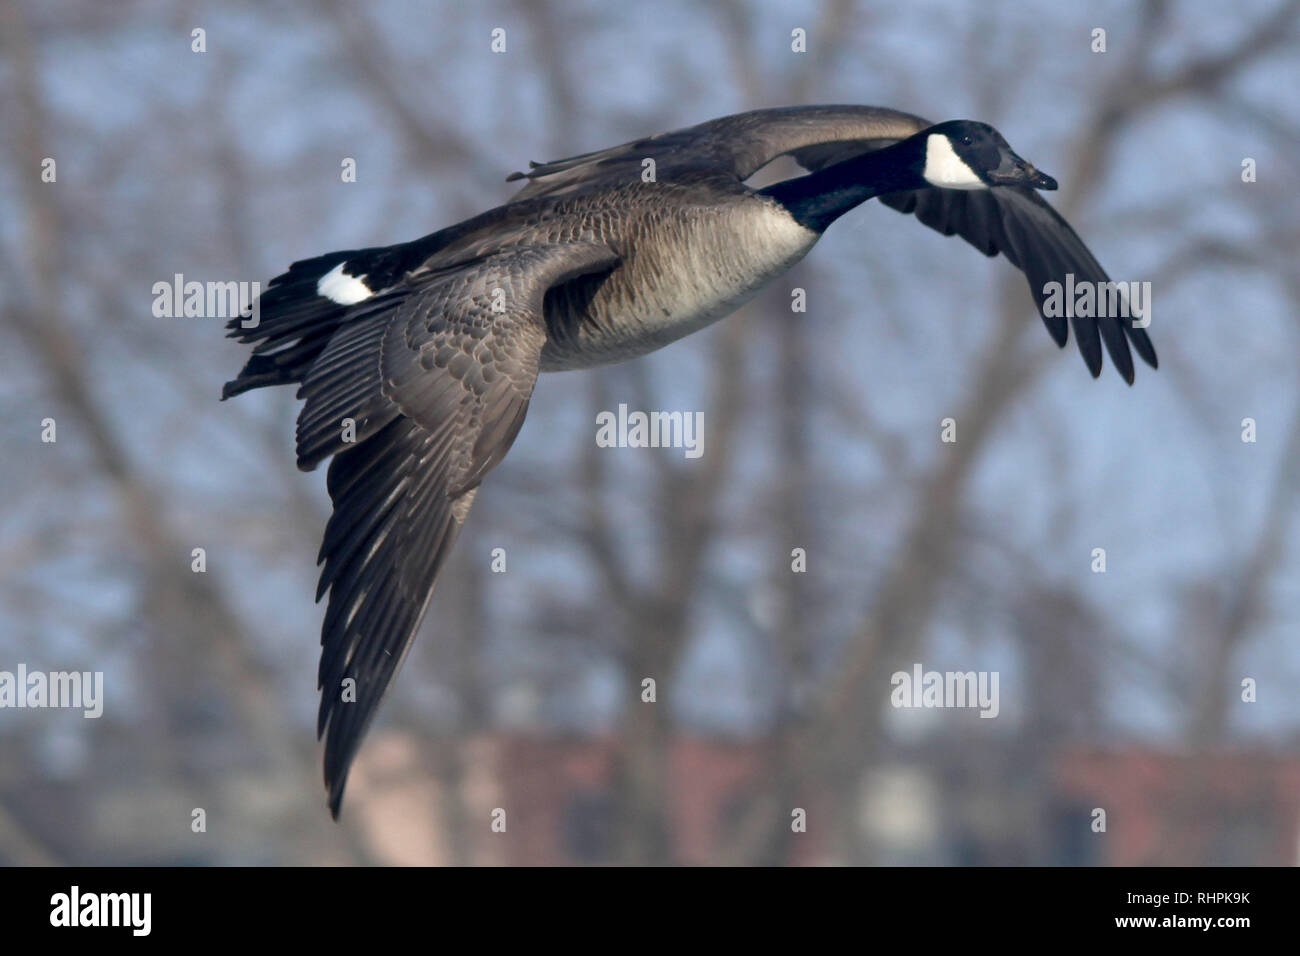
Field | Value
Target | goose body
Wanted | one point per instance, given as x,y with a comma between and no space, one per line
417,361
690,255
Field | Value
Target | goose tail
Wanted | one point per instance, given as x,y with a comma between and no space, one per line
293,319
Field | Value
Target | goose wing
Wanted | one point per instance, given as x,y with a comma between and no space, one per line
1018,223
737,145
436,378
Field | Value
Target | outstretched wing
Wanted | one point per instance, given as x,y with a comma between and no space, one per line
435,379
1018,223
736,146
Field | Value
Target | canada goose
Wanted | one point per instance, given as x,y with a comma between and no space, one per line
417,361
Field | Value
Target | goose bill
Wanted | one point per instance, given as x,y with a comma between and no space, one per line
1014,171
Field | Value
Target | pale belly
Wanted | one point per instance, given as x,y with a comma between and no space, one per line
685,272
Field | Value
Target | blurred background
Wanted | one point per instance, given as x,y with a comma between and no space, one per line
1120,691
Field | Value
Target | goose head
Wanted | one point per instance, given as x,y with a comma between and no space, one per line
965,154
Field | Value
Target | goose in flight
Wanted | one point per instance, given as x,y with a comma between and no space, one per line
416,361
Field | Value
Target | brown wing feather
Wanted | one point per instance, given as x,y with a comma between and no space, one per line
736,146
438,381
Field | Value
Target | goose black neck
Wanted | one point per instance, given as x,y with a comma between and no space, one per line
818,199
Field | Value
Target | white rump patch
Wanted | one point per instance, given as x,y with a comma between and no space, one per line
945,169
343,289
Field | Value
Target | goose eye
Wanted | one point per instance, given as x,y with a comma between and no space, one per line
966,141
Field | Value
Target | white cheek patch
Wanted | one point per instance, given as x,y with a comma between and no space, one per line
944,168
343,289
